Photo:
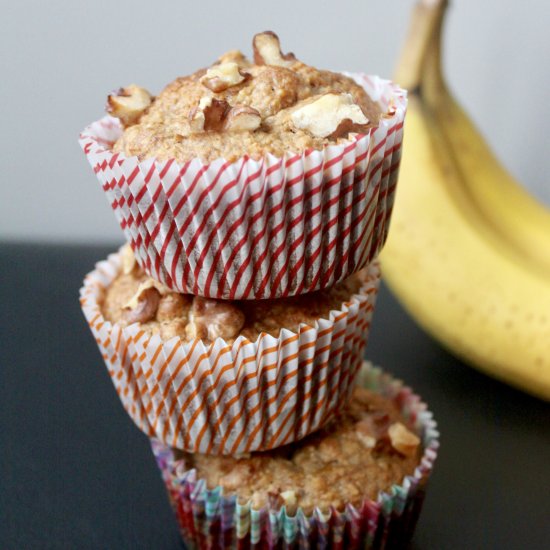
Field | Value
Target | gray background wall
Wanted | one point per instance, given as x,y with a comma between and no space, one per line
60,58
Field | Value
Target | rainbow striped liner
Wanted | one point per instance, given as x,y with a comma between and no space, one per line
208,519
232,398
257,229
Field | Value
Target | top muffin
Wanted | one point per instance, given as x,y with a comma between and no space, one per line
237,107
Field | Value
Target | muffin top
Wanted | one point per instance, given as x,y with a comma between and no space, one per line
238,107
365,450
134,297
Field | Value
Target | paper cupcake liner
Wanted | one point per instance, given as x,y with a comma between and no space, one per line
257,229
227,398
209,519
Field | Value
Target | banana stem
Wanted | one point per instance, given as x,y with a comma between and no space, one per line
424,36
433,86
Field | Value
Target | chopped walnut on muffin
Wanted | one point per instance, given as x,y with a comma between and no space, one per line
129,104
236,107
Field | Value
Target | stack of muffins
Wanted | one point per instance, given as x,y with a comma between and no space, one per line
254,197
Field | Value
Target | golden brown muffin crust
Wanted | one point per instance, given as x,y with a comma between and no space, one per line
355,457
274,91
135,297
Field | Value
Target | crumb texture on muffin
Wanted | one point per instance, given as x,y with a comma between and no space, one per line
134,297
365,450
240,107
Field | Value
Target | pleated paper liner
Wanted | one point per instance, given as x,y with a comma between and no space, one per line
227,398
257,229
210,519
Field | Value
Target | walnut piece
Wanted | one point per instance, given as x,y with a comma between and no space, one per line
173,328
211,319
214,115
242,118
128,104
234,56
223,76
267,50
403,440
172,306
145,285
209,115
365,434
145,308
332,115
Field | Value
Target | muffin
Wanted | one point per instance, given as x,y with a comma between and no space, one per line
252,179
225,377
359,481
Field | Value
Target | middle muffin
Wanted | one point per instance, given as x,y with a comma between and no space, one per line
225,377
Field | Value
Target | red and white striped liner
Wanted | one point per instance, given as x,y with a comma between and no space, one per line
232,398
257,229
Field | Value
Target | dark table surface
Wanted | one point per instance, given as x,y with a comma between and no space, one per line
76,473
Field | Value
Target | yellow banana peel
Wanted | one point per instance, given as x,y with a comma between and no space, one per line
468,253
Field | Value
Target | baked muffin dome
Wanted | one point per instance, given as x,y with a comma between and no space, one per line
366,449
236,107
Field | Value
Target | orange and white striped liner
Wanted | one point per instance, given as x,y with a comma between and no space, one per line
234,398
257,229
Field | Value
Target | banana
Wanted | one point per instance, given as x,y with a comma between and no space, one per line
468,253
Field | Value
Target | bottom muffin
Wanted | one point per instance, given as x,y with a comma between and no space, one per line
358,482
